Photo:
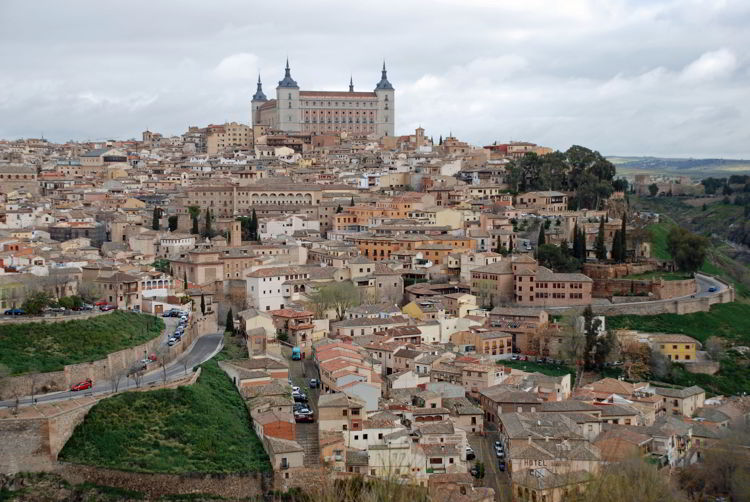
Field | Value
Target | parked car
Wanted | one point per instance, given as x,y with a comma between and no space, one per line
501,466
499,445
499,453
470,453
713,289
295,389
300,398
514,357
15,311
313,383
302,416
107,308
101,302
86,384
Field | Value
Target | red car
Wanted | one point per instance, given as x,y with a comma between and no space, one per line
86,384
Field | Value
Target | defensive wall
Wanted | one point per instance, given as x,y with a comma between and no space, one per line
640,306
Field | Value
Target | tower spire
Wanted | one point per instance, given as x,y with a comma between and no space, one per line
351,83
287,81
259,96
384,84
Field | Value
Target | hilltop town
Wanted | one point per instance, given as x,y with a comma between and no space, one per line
479,322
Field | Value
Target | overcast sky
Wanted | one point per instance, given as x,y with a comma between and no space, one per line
640,77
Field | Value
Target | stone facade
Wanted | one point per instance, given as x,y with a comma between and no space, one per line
326,112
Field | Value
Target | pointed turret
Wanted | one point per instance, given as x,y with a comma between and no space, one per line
384,84
351,84
288,81
259,96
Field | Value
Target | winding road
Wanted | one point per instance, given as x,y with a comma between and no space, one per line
203,349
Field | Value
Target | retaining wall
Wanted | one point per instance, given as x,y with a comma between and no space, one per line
103,369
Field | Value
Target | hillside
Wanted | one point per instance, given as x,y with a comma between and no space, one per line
49,346
720,222
679,166
200,428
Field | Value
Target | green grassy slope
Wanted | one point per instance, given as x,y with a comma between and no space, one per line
200,428
28,347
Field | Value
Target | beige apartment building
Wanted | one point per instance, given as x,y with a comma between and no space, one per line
542,201
228,137
227,200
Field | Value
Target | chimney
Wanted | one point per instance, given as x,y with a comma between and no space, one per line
529,438
546,438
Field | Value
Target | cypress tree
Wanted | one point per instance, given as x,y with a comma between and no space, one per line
155,223
616,248
195,229
601,250
254,226
576,242
583,249
184,280
541,240
352,201
623,241
208,231
203,304
229,322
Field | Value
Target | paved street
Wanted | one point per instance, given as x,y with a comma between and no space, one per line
484,448
307,433
202,350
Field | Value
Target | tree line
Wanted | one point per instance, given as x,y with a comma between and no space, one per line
585,172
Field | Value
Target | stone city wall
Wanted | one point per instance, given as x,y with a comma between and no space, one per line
615,271
235,486
655,290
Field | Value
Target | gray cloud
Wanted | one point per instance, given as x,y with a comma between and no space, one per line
660,77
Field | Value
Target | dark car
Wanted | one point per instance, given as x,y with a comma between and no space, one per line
108,307
313,383
300,398
14,312
713,289
501,466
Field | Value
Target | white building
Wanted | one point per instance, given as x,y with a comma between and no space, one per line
275,227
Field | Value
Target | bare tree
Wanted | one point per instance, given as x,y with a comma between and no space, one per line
162,354
136,374
660,365
115,377
715,347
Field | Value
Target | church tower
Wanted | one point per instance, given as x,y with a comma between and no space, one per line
287,102
258,99
386,106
